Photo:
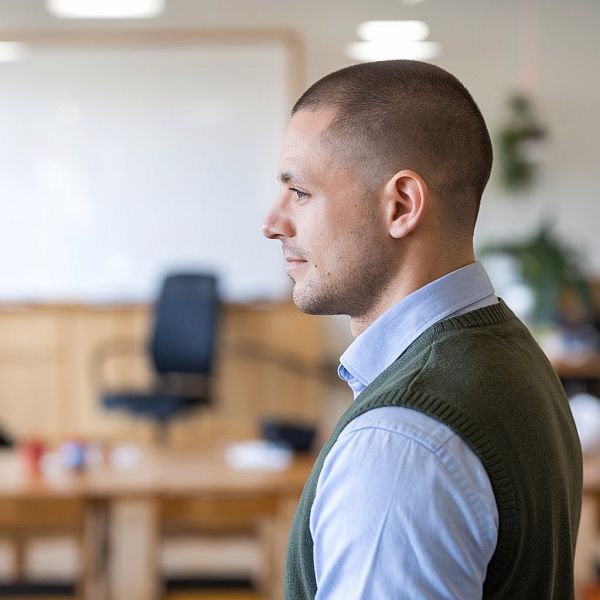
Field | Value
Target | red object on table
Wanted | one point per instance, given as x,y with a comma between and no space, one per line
32,452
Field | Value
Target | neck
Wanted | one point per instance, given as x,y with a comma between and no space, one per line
406,281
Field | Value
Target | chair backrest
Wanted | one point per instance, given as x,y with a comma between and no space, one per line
183,339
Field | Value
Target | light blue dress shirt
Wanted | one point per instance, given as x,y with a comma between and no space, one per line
404,509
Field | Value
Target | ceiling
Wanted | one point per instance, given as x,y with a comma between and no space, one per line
471,31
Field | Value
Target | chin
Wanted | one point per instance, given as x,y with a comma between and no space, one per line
313,304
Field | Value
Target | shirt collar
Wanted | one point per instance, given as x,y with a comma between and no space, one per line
389,336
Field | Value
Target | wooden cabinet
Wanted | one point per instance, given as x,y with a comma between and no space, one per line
48,354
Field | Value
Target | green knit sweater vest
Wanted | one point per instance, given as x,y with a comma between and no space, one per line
484,376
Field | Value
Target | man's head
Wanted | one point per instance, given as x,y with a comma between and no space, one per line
382,162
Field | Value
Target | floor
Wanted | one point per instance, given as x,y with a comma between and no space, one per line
213,596
224,595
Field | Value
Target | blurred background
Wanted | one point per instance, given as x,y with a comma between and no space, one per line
160,396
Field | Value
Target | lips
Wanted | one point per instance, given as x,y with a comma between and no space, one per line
294,256
293,263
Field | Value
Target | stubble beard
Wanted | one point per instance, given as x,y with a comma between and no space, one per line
359,280
353,290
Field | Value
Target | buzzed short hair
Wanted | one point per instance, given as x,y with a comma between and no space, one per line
402,114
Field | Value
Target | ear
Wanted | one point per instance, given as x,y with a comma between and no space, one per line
406,200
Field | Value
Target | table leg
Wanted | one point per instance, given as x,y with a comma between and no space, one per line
286,510
93,584
134,536
586,553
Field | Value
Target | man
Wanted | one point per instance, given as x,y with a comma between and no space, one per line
456,473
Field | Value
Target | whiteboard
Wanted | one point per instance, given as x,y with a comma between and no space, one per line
118,165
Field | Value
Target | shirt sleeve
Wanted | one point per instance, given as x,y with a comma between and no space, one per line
402,513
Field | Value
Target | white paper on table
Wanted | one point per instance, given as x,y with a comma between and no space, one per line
259,455
586,414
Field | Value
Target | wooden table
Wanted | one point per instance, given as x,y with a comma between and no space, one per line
584,368
586,554
122,512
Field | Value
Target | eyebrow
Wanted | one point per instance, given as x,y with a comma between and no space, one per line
288,177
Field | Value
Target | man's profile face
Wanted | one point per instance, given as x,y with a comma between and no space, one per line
332,231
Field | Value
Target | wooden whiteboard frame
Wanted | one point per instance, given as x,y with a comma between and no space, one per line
174,37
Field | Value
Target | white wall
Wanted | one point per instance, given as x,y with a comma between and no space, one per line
483,42
118,165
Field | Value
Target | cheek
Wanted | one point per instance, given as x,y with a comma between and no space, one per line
363,240
318,238
337,242
338,254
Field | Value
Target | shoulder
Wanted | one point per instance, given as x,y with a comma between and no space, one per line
399,483
401,452
427,448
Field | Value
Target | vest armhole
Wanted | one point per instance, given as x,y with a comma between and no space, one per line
482,446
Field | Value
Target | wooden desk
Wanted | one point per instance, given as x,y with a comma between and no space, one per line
579,366
586,555
122,512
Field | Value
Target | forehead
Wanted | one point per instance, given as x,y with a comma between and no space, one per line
307,126
305,148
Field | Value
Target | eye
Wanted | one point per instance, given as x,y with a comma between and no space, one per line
299,194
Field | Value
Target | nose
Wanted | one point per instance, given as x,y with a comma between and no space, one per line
278,224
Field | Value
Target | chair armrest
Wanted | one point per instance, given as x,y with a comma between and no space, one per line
108,349
323,370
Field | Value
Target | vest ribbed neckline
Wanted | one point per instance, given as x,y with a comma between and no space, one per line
488,315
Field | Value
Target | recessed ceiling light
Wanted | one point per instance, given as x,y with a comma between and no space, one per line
369,51
393,31
105,9
12,51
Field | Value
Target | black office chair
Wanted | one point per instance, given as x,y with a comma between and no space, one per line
181,348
